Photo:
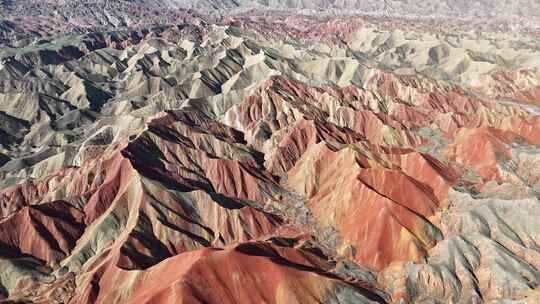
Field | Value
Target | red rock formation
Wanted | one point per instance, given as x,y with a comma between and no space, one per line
244,273
345,187
482,149
47,231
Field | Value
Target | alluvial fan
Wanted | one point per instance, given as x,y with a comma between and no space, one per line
243,151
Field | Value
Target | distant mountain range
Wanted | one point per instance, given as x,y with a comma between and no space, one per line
460,8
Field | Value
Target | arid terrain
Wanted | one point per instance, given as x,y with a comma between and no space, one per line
285,152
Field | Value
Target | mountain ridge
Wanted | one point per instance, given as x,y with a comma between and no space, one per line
269,156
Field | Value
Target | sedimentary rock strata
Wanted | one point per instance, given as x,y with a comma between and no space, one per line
267,157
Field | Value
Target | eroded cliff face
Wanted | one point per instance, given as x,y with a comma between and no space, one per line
260,161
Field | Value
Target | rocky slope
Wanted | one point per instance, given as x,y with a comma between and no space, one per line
277,158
